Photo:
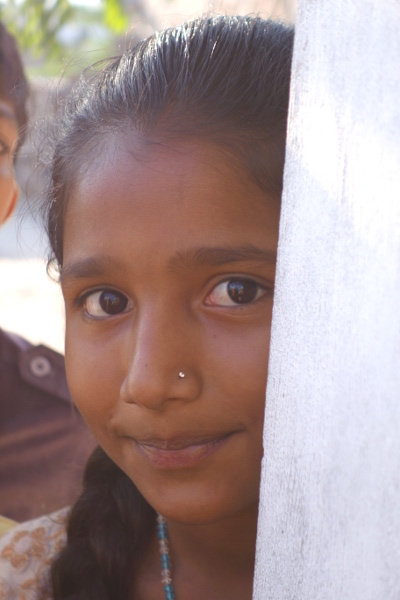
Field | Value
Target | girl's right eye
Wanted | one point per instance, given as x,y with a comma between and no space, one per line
104,303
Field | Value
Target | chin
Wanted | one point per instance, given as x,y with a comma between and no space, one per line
194,508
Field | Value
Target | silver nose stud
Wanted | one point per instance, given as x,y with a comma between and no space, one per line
181,375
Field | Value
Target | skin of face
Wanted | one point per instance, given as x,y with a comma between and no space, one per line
166,227
8,142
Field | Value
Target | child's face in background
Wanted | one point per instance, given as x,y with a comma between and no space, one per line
8,142
169,267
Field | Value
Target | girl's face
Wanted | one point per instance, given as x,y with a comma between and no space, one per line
169,267
8,142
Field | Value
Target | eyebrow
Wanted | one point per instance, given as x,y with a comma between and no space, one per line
93,266
216,256
97,266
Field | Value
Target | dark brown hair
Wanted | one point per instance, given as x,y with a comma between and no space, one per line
221,79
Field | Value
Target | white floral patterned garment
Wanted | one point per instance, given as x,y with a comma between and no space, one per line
26,552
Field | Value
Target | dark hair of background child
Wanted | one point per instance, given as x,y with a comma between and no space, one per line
13,84
224,80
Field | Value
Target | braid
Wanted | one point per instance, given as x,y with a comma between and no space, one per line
108,527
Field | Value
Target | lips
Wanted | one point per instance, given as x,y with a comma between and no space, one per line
180,453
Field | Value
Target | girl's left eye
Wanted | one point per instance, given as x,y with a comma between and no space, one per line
105,303
234,292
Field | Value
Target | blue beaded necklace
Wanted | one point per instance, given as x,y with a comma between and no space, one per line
166,578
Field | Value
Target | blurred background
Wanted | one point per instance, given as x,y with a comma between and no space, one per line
58,39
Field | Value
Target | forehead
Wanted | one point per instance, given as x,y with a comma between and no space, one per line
147,195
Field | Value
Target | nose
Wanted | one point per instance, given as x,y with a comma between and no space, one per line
163,360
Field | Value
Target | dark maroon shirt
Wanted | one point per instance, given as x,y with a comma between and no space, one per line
44,442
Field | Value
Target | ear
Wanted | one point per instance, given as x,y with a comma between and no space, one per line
13,202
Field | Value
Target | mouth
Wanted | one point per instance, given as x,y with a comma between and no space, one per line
180,453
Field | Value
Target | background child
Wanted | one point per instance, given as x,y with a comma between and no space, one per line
163,216
43,440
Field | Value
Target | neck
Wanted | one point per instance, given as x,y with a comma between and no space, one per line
214,560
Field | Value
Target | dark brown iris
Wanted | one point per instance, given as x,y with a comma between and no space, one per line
113,302
242,291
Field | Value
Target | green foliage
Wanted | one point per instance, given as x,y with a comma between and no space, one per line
37,23
114,17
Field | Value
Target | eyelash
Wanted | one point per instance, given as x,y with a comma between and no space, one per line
83,298
237,287
257,291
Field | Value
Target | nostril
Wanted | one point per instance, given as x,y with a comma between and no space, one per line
152,387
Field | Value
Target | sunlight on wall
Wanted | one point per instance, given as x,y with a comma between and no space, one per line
32,306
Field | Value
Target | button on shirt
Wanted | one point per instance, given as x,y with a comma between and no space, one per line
44,442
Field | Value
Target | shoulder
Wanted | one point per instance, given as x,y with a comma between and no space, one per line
26,553
37,367
44,442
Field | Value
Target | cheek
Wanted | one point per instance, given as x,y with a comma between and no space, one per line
241,368
239,360
93,378
6,193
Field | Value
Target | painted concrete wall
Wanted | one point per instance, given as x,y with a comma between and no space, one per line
330,499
